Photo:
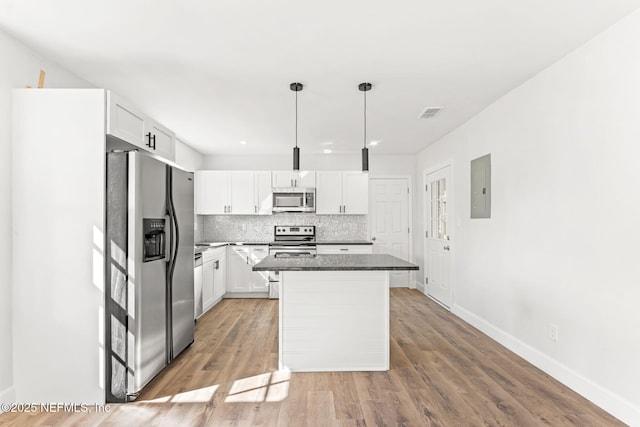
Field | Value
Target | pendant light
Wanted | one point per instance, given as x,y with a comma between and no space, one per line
364,88
296,87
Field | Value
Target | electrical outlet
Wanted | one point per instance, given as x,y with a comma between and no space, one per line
553,332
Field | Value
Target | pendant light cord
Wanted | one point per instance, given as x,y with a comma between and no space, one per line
365,119
296,118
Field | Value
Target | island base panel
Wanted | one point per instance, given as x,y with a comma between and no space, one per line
334,321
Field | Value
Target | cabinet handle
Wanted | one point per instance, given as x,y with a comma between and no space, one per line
344,208
295,182
217,264
255,208
152,141
344,249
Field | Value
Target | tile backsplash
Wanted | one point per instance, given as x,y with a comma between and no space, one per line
259,228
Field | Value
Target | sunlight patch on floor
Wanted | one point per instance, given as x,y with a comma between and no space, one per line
269,387
199,395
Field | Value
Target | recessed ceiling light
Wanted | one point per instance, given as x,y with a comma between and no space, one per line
374,143
327,151
243,142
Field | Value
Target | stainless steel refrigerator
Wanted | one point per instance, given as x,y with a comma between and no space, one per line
149,306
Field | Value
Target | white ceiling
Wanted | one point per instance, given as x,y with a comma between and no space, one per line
218,72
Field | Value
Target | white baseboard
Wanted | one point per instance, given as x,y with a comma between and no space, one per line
617,406
7,395
419,286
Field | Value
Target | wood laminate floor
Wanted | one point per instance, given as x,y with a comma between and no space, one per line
443,373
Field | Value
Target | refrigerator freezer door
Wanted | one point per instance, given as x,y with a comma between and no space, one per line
147,353
182,280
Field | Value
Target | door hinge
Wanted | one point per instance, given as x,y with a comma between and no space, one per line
426,280
407,190
408,230
426,234
426,186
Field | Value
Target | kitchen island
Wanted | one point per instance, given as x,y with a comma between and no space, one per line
334,311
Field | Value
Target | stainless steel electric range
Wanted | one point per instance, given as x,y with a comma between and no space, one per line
290,241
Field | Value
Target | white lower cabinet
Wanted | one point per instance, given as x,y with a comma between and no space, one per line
344,249
241,279
213,277
239,274
260,278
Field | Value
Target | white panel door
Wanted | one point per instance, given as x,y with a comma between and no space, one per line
437,238
389,217
355,193
263,193
328,192
211,189
241,193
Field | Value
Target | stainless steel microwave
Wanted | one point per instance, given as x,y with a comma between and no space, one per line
294,199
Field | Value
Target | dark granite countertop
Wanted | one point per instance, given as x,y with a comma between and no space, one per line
344,242
207,245
334,262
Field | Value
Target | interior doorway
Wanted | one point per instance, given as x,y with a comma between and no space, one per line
390,222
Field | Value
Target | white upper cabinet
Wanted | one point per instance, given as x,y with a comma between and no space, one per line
329,192
300,179
211,191
162,140
125,121
233,192
355,193
131,125
241,193
264,195
344,193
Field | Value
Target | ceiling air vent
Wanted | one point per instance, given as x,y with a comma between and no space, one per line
430,112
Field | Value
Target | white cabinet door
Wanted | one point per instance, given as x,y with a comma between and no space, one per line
263,193
260,278
125,121
162,140
219,278
207,285
283,178
241,193
211,189
129,124
355,193
301,179
239,274
329,192
305,179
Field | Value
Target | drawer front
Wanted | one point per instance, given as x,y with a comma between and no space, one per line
344,249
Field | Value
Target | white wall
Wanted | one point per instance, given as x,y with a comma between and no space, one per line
562,245
378,164
20,67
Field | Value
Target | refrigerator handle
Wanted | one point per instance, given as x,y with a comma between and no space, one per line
175,239
168,232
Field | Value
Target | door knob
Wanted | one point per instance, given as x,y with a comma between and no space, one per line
446,248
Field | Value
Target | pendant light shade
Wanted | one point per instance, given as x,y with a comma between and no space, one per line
364,88
296,87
